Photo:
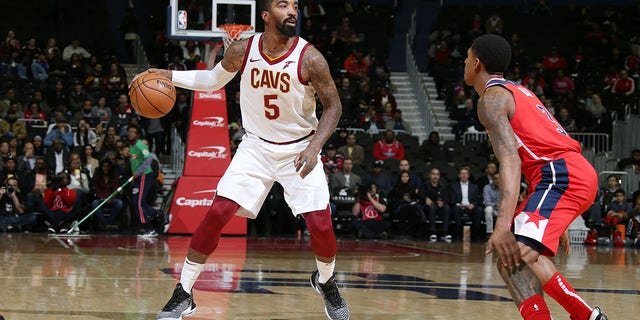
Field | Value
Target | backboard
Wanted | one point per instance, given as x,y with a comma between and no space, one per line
199,19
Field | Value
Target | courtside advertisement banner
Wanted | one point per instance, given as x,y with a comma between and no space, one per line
208,153
192,199
206,159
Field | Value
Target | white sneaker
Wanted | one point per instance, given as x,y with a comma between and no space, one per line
447,238
433,238
75,230
167,223
148,234
597,314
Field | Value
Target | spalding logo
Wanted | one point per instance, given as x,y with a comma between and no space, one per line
209,95
196,201
214,152
212,122
164,84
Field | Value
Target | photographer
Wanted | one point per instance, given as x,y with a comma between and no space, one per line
368,210
9,170
59,204
12,214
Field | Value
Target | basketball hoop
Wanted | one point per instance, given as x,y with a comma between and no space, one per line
235,32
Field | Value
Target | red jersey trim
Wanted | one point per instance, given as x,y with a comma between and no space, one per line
282,57
306,46
246,54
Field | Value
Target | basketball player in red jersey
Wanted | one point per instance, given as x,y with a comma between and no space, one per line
527,139
280,76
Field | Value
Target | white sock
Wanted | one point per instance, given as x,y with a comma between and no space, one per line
190,273
325,270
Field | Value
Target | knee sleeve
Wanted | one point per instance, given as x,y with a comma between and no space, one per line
323,240
205,238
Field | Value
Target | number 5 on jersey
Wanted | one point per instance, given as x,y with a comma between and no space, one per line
271,110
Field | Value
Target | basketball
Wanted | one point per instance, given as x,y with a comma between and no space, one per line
152,95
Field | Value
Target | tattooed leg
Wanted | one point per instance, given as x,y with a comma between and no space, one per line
526,291
522,282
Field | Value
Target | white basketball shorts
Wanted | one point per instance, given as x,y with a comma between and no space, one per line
257,164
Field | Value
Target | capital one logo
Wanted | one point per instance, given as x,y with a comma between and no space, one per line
209,95
197,199
211,122
213,152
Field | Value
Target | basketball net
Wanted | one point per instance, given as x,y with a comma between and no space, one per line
234,32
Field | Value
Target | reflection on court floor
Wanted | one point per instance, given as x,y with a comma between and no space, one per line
122,277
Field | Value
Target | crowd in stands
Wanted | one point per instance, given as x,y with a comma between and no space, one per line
582,62
63,149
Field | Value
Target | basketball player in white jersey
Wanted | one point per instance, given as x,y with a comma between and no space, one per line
280,76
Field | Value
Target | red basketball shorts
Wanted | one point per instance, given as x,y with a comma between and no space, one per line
561,191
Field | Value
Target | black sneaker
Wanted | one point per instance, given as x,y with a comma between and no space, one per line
334,305
180,304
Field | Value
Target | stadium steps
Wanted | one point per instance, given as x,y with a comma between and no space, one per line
442,121
406,100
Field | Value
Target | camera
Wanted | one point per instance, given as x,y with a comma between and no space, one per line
10,189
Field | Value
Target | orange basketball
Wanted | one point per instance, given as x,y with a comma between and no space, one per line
152,95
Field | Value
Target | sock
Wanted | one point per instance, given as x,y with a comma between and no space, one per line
534,308
189,275
560,290
325,270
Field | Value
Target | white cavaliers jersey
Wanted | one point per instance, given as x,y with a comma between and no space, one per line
276,104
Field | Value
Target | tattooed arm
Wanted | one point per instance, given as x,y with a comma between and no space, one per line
315,70
495,108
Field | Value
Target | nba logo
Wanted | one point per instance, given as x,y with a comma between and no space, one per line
182,19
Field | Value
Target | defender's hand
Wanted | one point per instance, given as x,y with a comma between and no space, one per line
504,243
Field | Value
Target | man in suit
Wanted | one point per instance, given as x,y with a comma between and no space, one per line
57,157
465,200
352,150
344,179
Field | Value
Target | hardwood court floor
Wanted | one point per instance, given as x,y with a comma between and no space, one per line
122,277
